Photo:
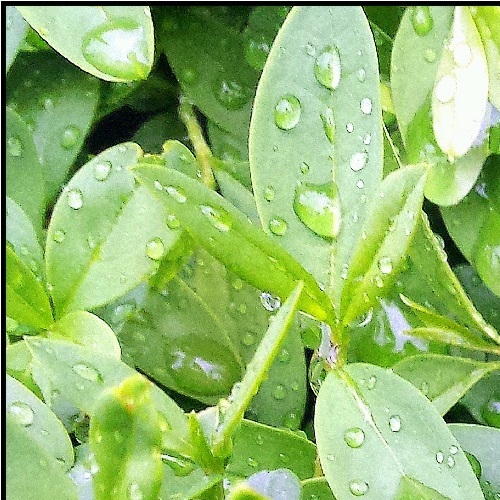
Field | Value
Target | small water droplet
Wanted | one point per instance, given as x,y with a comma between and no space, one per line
445,88
361,74
256,52
354,437
310,50
284,355
367,139
304,168
22,413
330,457
270,302
327,67
385,265
188,76
218,217
172,221
292,421
269,193
155,249
252,462
278,226
358,488
421,20
366,105
328,124
87,372
439,457
360,184
350,128
14,146
462,54
424,388
372,382
157,185
430,55
453,449
249,339
287,112
59,236
358,161
231,94
318,208
395,423
70,137
75,199
450,462
279,392
102,170
259,439
176,194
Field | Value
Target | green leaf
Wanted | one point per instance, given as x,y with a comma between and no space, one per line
31,471
483,400
24,180
386,235
21,235
88,330
443,379
474,225
106,235
27,299
373,428
259,447
60,110
315,87
218,226
125,438
16,31
409,489
38,422
110,42
484,443
256,371
187,486
152,134
316,489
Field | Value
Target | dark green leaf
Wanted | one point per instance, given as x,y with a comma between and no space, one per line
483,400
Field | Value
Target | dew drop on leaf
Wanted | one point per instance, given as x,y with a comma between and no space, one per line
354,437
327,67
350,128
269,193
450,462
462,54
395,423
21,412
256,52
358,488
278,226
259,439
75,199
252,462
372,382
318,208
155,249
118,48
430,55
328,124
367,139
366,105
292,421
287,112
284,356
59,236
249,339
14,146
87,372
439,457
421,20
134,492
102,170
361,74
385,265
304,168
219,218
188,76
176,194
279,392
70,137
269,302
358,161
172,221
231,94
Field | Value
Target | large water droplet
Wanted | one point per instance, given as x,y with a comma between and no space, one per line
256,52
176,194
14,146
327,67
395,423
270,302
462,54
218,217
385,265
102,170
354,437
70,137
421,20
231,94
366,105
358,161
445,88
287,112
119,48
249,339
358,488
328,124
59,236
155,249
278,226
87,372
318,208
21,412
75,199
279,392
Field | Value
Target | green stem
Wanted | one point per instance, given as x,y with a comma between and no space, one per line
202,151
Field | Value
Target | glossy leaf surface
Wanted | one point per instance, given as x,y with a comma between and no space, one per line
16,31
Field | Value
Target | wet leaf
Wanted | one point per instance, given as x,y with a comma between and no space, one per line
16,28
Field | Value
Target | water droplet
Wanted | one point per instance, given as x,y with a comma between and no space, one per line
180,466
354,437
304,168
102,170
360,184
328,124
372,382
157,185
439,457
367,139
231,94
318,208
172,221
70,137
119,48
284,458
453,449
284,355
269,193
256,52
259,439
292,421
176,194
385,265
219,218
287,112
155,249
430,55
462,54
75,199
279,392
491,412
361,74
327,67
358,488
278,226
310,50
421,20
395,423
366,105
269,302
134,492
350,128
14,146
59,236
330,457
424,388
22,413
252,462
87,372
445,89
188,75
450,462
249,339
358,161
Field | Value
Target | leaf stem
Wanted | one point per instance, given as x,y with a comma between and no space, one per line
202,151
